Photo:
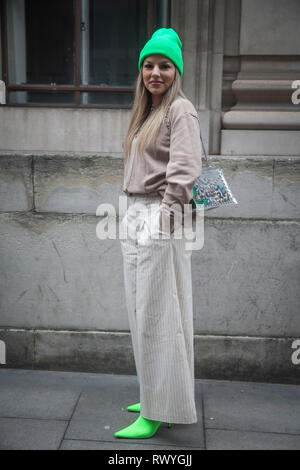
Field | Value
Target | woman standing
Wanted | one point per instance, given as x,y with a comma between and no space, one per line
162,154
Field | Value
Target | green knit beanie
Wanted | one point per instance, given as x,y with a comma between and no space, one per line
164,41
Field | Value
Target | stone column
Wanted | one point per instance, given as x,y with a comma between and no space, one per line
200,25
261,68
2,92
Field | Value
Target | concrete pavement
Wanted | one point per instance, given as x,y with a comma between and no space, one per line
74,410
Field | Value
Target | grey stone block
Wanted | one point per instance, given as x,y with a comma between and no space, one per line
245,358
246,278
260,142
57,274
49,129
254,37
286,188
251,182
106,352
77,184
16,187
19,347
80,184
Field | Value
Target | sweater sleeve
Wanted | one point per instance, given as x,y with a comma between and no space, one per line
185,163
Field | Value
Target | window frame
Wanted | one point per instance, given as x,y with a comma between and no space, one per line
77,88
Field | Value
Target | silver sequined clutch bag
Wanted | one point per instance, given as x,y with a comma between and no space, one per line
211,189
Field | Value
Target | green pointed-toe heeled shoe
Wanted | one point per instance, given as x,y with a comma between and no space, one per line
136,408
142,428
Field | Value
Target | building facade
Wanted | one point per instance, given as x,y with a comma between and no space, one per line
68,70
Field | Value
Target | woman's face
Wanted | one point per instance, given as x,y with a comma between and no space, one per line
158,75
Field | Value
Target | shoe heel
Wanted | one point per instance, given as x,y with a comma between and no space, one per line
169,425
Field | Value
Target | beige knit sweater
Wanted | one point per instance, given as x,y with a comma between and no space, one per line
170,168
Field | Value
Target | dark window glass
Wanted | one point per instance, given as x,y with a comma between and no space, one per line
46,46
113,34
50,41
40,41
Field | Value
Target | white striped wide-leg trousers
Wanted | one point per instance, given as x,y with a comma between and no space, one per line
158,288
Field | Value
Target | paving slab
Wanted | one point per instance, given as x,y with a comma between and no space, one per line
40,401
246,406
31,434
224,439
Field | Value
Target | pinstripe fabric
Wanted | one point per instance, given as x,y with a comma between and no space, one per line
158,287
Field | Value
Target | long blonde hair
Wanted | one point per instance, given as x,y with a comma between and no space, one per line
140,111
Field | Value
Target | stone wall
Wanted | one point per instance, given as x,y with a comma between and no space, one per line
61,288
62,300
